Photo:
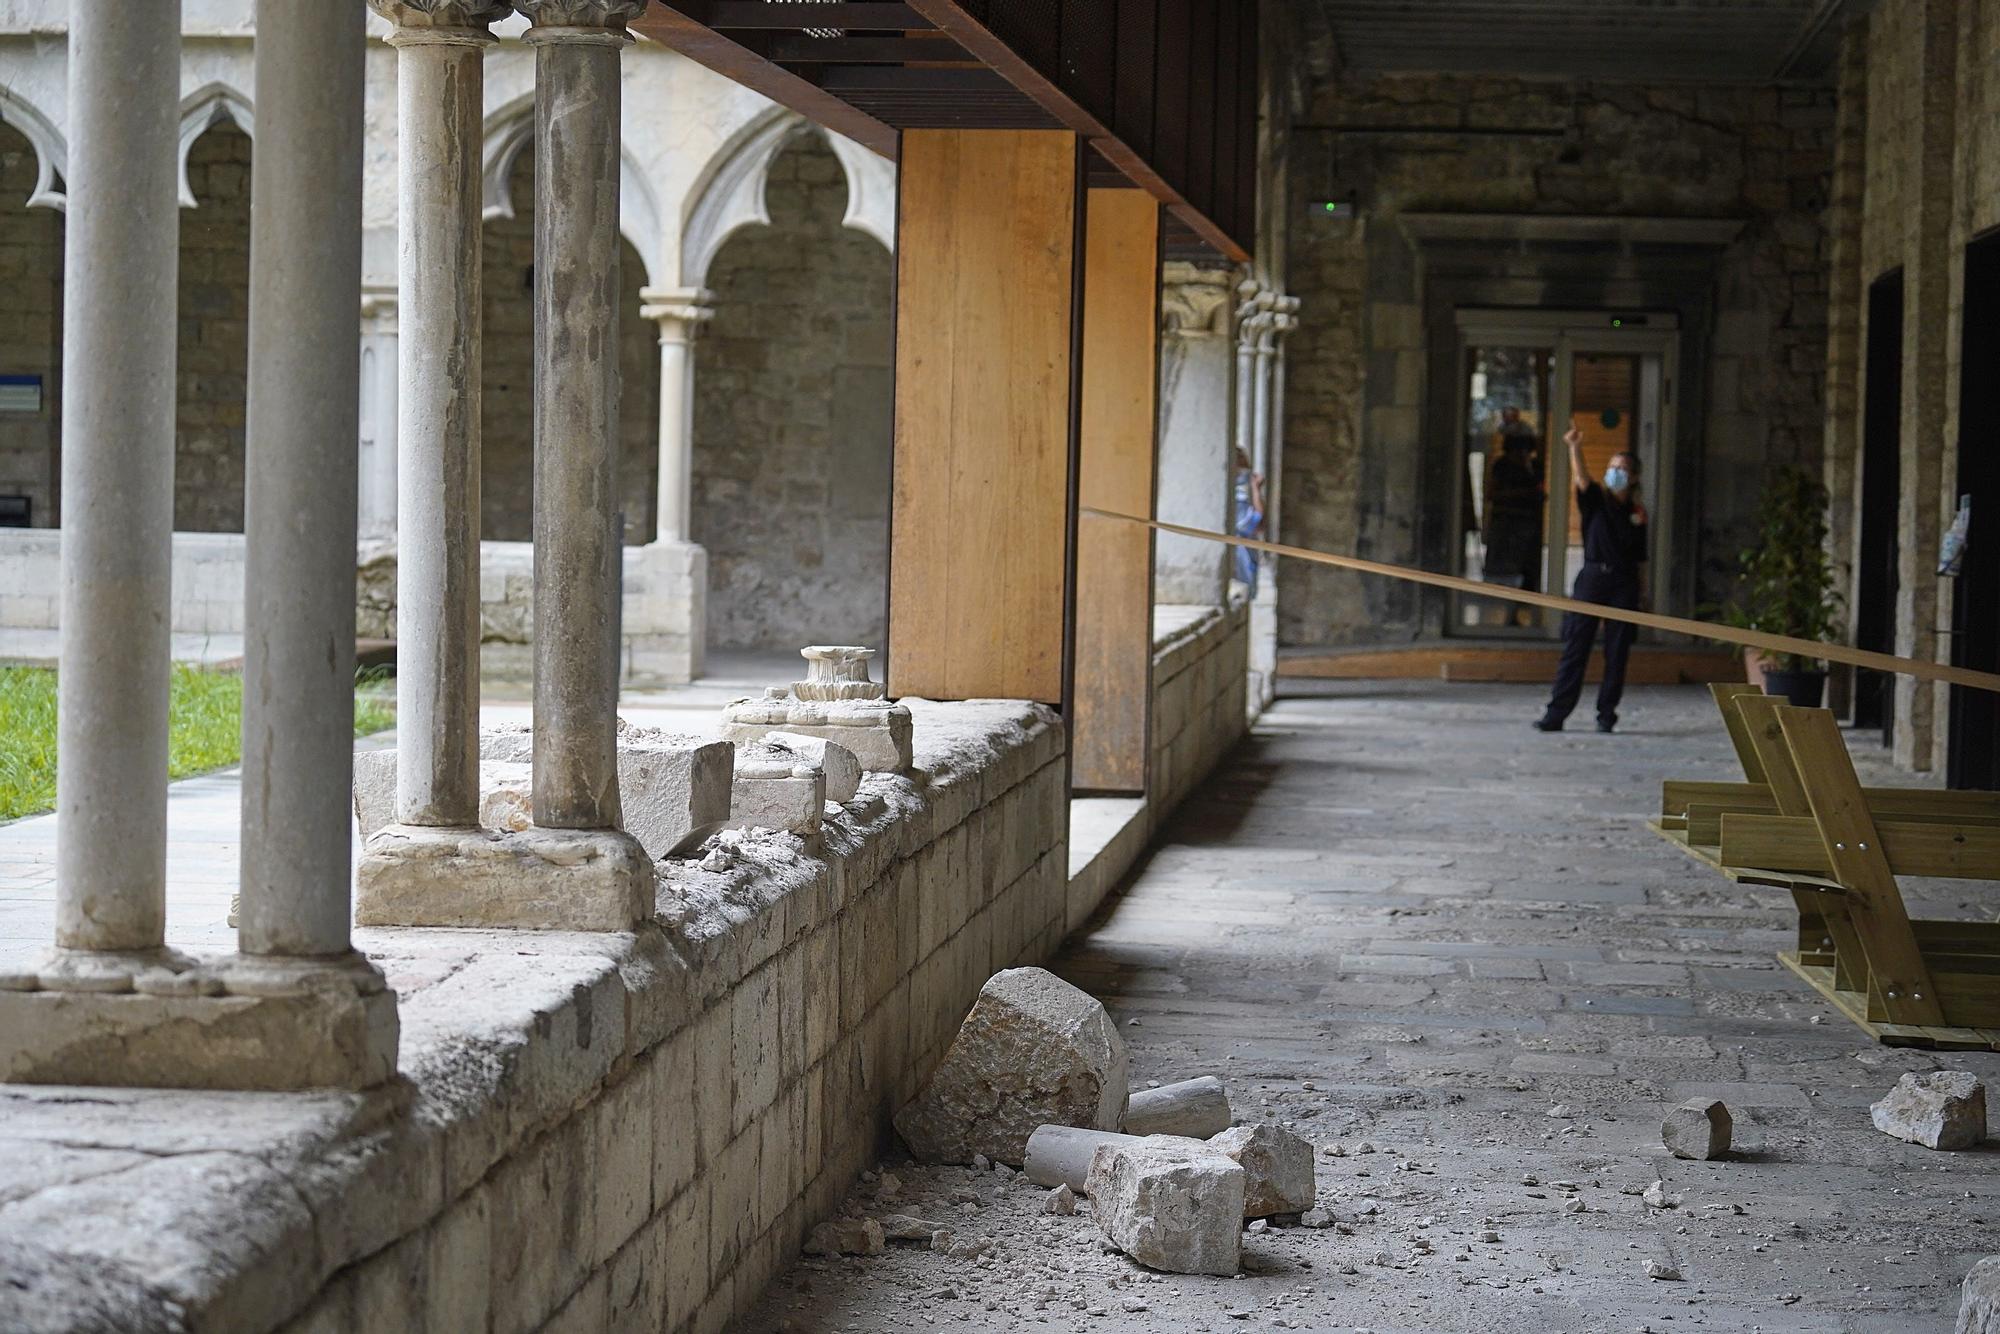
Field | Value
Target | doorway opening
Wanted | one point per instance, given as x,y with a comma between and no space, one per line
1877,545
1529,377
1972,754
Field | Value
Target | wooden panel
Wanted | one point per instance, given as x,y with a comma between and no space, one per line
1114,568
1762,742
1650,664
1933,805
983,505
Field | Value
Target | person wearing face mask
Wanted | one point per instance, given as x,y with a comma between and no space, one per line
1614,556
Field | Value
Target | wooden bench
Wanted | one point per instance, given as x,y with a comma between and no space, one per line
1801,821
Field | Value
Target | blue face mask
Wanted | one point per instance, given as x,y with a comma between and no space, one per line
1616,479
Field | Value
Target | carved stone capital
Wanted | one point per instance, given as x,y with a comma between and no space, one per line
463,18
613,14
1194,302
684,307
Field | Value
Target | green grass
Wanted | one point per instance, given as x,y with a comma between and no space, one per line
205,727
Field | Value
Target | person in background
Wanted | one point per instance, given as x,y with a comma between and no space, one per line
1614,556
1249,506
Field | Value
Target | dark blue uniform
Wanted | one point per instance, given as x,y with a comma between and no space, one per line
1614,550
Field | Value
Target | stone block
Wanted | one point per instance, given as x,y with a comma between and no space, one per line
880,739
339,1032
1196,1108
1945,1109
536,879
673,789
1979,1299
776,787
1171,1204
622,1121
1699,1128
1034,1051
840,766
1277,1168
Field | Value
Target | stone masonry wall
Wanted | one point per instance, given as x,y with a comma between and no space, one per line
31,241
507,409
213,355
1355,426
793,420
1201,656
1927,184
615,1132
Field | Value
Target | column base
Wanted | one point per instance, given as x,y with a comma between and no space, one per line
533,879
243,1022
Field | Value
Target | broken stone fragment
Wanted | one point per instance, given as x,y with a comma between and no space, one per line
1277,1167
909,1230
1663,1271
1171,1204
673,789
1196,1108
1979,1299
835,761
1034,1051
1945,1109
1060,1201
846,1236
775,787
1699,1128
1061,1155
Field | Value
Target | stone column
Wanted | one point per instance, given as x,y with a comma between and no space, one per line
118,492
440,50
578,548
379,358
1196,420
300,480
679,311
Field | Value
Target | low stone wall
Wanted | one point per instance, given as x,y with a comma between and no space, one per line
664,627
207,581
1201,659
593,1132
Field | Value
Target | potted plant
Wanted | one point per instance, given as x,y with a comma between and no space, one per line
1785,585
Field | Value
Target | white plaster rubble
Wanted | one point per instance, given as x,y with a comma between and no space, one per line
1171,1204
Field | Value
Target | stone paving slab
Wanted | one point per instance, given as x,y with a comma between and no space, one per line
1477,932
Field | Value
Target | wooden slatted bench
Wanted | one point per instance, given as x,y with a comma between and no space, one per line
1802,822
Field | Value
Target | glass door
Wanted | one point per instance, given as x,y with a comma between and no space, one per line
1528,377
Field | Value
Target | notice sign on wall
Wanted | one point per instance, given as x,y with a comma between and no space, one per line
20,393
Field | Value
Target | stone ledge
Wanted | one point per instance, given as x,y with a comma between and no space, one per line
238,1213
542,879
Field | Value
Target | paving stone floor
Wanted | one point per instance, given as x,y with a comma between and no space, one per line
1399,916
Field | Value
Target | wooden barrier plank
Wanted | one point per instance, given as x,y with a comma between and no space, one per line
1725,695
1792,843
1114,566
983,507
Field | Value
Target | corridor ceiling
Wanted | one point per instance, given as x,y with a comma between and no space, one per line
1649,41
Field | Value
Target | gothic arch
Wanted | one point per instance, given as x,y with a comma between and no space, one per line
201,111
51,153
730,193
512,128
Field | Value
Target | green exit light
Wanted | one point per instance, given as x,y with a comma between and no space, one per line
1617,323
1333,208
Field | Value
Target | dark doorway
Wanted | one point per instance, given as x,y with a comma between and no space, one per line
1881,485
1972,756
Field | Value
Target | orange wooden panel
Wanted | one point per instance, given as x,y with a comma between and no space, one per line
985,273
1114,568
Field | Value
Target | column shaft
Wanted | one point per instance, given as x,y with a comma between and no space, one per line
300,488
118,475
439,75
676,432
578,545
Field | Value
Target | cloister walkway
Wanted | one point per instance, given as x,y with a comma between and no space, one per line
1400,917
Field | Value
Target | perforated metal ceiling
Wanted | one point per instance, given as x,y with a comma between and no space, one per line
1700,41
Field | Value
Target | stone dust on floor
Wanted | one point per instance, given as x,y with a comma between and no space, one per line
1400,922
